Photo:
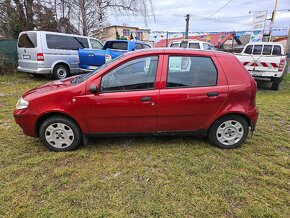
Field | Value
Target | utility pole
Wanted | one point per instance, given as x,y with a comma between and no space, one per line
288,51
166,38
272,20
187,26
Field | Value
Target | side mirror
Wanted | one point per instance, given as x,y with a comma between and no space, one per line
94,89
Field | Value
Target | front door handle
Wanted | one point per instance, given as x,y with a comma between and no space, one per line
212,94
146,99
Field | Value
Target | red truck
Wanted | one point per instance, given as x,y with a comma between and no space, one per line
154,91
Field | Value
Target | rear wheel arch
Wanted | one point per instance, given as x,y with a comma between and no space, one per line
229,131
44,117
245,117
56,65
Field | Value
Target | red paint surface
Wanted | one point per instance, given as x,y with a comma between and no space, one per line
174,109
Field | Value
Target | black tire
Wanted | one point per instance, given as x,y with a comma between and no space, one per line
60,71
59,133
275,86
236,136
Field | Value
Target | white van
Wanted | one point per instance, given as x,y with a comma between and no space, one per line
56,54
192,44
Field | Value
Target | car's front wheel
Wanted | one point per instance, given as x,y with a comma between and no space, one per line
229,132
60,134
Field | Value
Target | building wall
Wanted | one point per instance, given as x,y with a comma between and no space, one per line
126,31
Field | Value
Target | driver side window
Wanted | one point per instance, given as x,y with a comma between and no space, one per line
137,74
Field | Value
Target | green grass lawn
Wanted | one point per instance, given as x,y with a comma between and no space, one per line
147,176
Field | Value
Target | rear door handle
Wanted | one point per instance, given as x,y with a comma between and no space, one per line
212,94
146,99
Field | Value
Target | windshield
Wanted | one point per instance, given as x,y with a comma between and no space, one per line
86,76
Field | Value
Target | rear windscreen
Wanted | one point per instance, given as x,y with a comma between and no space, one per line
194,45
277,50
117,45
27,40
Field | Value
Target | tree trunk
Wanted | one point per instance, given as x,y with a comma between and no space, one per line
84,17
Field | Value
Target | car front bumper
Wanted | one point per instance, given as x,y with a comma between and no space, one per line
27,121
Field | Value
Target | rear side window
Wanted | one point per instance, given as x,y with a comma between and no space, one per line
276,50
146,46
257,49
138,46
211,48
194,45
75,43
27,40
174,45
267,50
57,41
183,45
248,49
189,71
206,46
117,45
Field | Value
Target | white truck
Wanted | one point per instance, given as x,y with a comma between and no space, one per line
265,61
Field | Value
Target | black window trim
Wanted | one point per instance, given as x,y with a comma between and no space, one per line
187,87
133,90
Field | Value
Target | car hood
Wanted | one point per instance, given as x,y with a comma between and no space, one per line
49,87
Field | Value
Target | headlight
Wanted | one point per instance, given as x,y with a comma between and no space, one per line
21,104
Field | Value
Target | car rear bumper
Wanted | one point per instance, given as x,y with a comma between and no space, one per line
27,121
34,71
253,115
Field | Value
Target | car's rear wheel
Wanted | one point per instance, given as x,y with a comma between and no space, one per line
229,132
60,134
60,71
275,86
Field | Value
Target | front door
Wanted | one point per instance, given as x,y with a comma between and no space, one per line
195,90
127,102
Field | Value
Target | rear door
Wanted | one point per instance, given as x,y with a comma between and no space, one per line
195,89
28,47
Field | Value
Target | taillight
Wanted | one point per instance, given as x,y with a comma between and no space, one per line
108,57
40,57
282,64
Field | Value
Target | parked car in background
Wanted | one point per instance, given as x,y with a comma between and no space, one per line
90,59
50,53
265,61
156,91
192,44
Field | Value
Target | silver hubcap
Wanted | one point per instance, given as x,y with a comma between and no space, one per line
230,132
61,73
59,135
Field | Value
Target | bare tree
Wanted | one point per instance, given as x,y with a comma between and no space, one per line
94,13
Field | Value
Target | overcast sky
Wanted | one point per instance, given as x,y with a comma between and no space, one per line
169,15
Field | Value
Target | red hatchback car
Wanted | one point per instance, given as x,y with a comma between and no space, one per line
156,91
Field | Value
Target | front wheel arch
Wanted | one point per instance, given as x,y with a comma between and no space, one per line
44,117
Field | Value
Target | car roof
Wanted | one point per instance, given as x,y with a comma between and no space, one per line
181,51
264,43
57,33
